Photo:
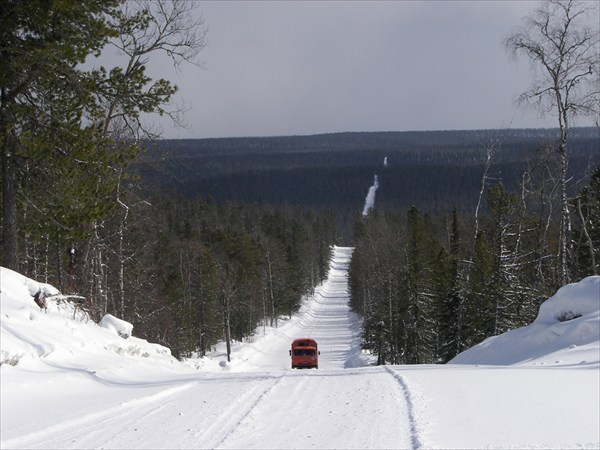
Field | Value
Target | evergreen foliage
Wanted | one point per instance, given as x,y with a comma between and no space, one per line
44,98
218,270
425,296
586,236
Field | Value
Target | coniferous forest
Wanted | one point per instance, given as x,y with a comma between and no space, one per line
462,243
200,241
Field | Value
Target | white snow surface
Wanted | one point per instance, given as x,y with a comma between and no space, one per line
78,385
116,325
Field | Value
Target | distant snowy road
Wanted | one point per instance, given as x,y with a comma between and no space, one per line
324,316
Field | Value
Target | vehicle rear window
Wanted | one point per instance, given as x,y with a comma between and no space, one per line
304,352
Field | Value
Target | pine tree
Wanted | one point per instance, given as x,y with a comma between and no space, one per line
479,304
205,300
42,45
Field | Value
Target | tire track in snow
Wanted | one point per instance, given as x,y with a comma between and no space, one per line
90,422
288,403
355,409
234,414
414,428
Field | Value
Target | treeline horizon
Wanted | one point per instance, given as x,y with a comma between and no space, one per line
364,140
437,171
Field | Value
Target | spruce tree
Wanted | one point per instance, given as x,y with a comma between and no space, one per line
479,304
452,314
421,301
587,228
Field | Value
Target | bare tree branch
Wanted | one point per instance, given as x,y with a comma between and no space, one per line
558,39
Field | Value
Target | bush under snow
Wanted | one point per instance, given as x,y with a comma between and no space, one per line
117,326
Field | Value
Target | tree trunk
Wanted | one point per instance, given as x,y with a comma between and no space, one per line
590,242
10,256
564,201
227,326
271,291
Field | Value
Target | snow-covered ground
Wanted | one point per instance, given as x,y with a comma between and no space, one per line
75,384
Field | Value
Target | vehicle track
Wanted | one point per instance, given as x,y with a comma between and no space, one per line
329,405
227,422
408,399
187,412
67,432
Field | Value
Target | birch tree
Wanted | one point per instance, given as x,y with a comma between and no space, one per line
561,40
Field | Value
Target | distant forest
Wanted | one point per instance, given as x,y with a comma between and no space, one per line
434,170
216,236
463,242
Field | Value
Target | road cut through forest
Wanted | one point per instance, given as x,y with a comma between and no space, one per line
324,316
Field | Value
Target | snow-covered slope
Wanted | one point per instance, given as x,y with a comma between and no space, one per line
565,332
63,337
76,384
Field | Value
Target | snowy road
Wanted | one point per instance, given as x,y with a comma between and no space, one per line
365,409
84,391
303,410
376,407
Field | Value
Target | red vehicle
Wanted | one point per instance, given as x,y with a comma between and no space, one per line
305,354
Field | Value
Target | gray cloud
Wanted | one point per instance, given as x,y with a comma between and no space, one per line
281,68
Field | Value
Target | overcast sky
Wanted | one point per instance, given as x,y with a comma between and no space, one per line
285,68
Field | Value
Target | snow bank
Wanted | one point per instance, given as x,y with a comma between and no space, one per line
14,284
64,336
565,332
571,301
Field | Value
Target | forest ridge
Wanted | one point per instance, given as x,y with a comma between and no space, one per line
436,170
